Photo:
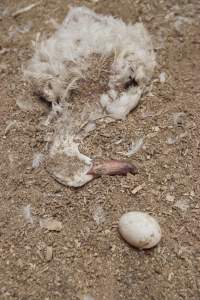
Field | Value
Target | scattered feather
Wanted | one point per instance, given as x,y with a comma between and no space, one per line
170,198
147,114
134,148
181,21
183,204
171,140
179,118
90,127
88,297
11,125
4,12
118,142
162,77
99,215
37,160
52,22
87,128
25,28
13,30
192,194
24,104
27,214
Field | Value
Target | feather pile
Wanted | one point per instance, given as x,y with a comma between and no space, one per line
92,67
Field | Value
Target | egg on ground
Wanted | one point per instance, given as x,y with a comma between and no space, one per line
140,229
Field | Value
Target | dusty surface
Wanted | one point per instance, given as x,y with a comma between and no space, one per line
87,259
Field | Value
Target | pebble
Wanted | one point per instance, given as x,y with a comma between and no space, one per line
140,229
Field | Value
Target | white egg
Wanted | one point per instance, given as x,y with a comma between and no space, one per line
140,229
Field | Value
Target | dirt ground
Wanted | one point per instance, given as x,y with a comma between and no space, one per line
90,261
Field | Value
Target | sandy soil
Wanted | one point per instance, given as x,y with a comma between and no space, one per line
90,261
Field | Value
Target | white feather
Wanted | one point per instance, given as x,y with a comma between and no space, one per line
27,214
37,160
134,148
64,58
83,33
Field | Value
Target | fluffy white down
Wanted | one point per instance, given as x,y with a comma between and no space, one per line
83,33
61,60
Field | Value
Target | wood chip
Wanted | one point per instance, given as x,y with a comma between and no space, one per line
137,189
49,253
51,224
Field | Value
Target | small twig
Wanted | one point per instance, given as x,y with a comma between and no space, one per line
25,9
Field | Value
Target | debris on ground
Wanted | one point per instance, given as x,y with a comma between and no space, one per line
104,85
134,148
181,22
179,119
138,188
14,30
4,51
88,297
27,214
25,9
170,198
11,125
49,253
38,158
172,140
51,224
162,77
99,215
24,104
90,259
183,204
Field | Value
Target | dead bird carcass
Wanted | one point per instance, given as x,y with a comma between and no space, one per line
94,67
